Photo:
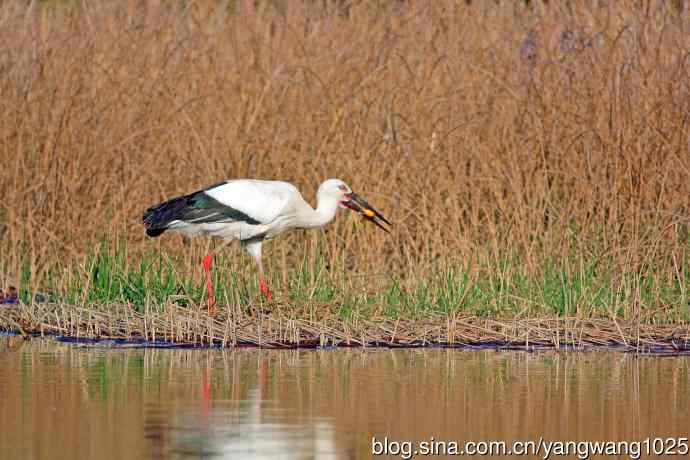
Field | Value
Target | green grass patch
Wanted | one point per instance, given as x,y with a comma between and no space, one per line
503,288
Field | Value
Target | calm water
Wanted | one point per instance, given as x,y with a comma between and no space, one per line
67,401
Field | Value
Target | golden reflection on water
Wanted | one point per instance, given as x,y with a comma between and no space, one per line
66,401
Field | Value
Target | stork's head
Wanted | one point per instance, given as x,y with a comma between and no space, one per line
346,198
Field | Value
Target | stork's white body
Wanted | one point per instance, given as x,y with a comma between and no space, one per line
276,206
252,211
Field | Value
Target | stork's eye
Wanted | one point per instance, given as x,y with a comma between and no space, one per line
343,188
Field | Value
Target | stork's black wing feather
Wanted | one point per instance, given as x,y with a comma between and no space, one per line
195,208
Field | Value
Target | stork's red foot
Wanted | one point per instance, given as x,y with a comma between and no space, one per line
265,290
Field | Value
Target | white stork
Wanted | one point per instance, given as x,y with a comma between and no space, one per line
253,211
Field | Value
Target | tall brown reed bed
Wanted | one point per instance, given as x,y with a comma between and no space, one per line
500,138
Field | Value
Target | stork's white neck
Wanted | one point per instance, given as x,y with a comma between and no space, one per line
326,207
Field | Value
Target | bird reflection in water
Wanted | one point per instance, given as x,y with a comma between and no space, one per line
253,427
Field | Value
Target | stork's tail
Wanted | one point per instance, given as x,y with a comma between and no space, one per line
157,218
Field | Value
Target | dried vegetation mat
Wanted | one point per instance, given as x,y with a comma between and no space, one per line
316,326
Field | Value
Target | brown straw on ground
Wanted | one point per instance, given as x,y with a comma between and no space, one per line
178,325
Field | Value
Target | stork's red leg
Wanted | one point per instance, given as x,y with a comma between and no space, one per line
210,300
265,290
254,249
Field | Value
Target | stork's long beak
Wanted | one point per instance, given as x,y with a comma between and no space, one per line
360,205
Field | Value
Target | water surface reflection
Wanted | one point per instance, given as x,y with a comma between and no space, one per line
67,401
